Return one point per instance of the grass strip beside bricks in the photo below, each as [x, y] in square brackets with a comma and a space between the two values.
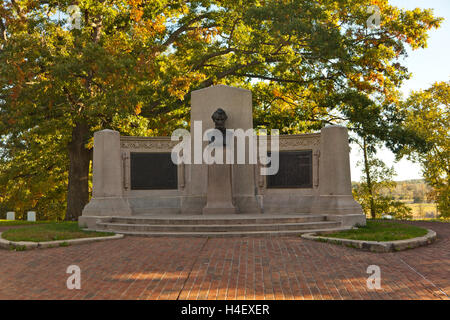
[377, 230]
[10, 223]
[51, 232]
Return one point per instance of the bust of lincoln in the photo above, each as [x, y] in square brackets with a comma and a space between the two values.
[219, 117]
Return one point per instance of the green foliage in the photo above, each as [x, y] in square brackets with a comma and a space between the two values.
[377, 179]
[5, 223]
[428, 113]
[397, 209]
[33, 175]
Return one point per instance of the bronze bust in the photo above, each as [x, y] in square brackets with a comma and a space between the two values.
[219, 117]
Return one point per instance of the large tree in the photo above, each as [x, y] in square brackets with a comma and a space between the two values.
[376, 181]
[307, 62]
[62, 84]
[428, 113]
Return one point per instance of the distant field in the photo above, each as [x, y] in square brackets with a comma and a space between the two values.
[423, 210]
[413, 193]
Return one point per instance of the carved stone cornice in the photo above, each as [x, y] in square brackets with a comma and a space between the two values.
[297, 142]
[148, 143]
[286, 142]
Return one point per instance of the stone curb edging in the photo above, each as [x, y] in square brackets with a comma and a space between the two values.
[26, 245]
[377, 246]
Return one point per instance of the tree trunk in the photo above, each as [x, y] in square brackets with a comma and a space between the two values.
[368, 180]
[79, 156]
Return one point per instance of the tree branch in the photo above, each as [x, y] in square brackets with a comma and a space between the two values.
[174, 36]
[3, 31]
[18, 9]
[279, 79]
[210, 56]
[232, 70]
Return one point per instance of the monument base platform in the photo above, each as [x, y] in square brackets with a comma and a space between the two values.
[217, 225]
[219, 210]
[108, 206]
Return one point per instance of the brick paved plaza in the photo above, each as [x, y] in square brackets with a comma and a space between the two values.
[227, 268]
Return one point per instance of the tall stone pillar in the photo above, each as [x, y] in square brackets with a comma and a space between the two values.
[237, 104]
[335, 186]
[107, 190]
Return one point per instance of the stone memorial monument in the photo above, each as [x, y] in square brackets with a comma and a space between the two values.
[135, 179]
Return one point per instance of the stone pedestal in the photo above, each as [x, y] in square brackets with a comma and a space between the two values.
[107, 192]
[219, 197]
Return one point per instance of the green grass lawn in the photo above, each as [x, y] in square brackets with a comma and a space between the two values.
[50, 232]
[7, 223]
[378, 230]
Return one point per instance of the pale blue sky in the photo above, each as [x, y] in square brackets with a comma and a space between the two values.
[427, 66]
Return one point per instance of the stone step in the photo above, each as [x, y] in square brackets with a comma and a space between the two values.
[119, 227]
[156, 210]
[227, 234]
[218, 220]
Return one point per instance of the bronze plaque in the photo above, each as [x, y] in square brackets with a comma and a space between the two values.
[150, 171]
[295, 170]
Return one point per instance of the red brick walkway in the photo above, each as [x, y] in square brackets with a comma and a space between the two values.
[236, 268]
